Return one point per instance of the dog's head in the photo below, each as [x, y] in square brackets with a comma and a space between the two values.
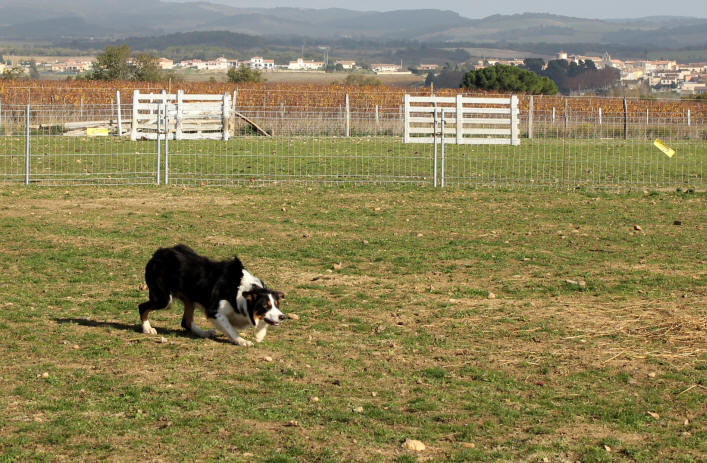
[264, 304]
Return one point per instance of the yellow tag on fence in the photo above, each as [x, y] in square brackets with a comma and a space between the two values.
[96, 132]
[661, 146]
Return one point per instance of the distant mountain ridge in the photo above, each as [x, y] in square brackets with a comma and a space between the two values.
[62, 20]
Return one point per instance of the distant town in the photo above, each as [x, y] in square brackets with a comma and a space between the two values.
[659, 75]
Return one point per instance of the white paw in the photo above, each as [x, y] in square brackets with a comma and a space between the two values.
[149, 330]
[244, 343]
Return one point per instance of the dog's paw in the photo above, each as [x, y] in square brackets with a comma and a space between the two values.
[149, 330]
[244, 342]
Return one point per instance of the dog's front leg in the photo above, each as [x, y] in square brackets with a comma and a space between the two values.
[260, 330]
[221, 322]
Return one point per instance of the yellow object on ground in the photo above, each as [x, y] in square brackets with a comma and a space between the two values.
[661, 146]
[95, 132]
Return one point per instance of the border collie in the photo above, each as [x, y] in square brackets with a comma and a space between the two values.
[231, 298]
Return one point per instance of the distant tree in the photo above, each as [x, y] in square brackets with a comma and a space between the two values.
[504, 78]
[15, 72]
[535, 65]
[593, 79]
[33, 71]
[244, 74]
[145, 67]
[334, 67]
[430, 78]
[112, 64]
[446, 78]
[362, 80]
[584, 75]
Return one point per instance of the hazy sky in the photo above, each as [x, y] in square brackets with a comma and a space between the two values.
[480, 9]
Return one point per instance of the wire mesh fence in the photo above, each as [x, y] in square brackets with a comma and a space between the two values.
[60, 144]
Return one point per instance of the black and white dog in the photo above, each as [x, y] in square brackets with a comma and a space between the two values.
[231, 298]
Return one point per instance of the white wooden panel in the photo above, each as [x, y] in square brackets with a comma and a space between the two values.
[506, 132]
[479, 100]
[486, 141]
[204, 97]
[433, 99]
[447, 130]
[183, 112]
[486, 111]
[475, 120]
[466, 121]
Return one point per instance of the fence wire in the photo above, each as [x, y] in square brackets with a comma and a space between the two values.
[70, 144]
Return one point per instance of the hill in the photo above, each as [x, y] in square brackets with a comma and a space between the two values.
[63, 20]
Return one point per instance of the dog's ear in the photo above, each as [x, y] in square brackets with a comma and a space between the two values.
[250, 296]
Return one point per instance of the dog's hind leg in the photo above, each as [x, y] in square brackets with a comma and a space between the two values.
[188, 322]
[156, 302]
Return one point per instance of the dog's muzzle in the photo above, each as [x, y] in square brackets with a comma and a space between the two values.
[281, 317]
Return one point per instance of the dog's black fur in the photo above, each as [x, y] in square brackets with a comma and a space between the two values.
[181, 273]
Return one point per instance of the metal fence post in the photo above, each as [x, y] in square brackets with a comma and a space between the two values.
[441, 173]
[406, 121]
[120, 118]
[459, 119]
[515, 128]
[180, 115]
[625, 119]
[348, 117]
[224, 116]
[166, 145]
[530, 118]
[133, 121]
[434, 150]
[159, 129]
[27, 145]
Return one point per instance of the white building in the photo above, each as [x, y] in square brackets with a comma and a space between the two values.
[659, 65]
[193, 64]
[218, 64]
[165, 63]
[385, 67]
[258, 62]
[347, 65]
[305, 65]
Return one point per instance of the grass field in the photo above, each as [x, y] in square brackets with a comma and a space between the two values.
[537, 163]
[492, 326]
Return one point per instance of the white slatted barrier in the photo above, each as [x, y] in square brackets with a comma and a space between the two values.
[468, 121]
[187, 117]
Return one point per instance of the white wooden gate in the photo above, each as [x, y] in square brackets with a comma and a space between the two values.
[468, 120]
[181, 116]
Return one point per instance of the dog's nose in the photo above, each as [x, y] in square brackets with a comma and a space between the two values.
[283, 316]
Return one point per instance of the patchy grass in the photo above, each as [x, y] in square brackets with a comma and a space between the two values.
[610, 368]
